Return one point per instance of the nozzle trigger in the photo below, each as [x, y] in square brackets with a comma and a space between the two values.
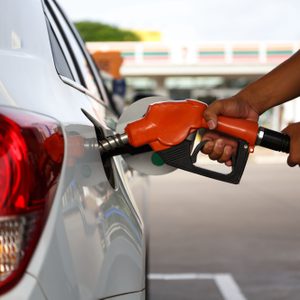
[179, 157]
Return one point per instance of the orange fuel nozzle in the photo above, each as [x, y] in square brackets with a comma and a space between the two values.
[167, 124]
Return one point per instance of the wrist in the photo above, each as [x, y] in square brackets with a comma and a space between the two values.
[254, 98]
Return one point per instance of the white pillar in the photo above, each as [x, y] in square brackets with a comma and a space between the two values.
[275, 118]
[161, 89]
[228, 53]
[262, 52]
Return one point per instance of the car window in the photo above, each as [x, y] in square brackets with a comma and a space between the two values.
[57, 38]
[86, 76]
[59, 58]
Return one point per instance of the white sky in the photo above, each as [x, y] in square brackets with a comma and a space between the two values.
[188, 20]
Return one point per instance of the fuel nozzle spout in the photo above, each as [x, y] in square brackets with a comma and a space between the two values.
[112, 143]
[107, 144]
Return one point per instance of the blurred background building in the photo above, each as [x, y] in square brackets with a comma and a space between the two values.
[204, 70]
[195, 50]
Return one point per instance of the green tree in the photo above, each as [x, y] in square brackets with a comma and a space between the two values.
[95, 31]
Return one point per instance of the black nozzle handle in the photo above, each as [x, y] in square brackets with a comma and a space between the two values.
[273, 140]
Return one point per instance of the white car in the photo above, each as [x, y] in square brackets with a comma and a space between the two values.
[69, 225]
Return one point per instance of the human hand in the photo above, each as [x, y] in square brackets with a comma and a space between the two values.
[219, 147]
[293, 130]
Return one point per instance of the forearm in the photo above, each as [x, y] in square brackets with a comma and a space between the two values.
[276, 87]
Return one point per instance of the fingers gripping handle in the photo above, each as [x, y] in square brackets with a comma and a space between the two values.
[273, 140]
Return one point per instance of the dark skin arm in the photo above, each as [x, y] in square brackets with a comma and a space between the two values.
[278, 86]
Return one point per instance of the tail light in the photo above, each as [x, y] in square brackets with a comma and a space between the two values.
[31, 153]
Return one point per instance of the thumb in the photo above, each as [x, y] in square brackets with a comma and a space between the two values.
[211, 114]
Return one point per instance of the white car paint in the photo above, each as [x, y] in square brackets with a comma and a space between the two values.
[92, 246]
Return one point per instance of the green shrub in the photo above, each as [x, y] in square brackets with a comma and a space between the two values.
[96, 32]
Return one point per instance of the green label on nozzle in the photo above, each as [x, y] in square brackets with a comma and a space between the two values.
[157, 160]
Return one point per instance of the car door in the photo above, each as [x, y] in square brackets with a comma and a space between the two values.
[101, 223]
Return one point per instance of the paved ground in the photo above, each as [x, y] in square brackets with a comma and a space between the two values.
[250, 233]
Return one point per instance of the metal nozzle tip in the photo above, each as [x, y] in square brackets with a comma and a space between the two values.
[111, 143]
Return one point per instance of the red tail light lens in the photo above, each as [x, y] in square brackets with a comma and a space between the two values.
[31, 153]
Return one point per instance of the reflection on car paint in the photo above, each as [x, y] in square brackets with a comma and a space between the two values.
[99, 215]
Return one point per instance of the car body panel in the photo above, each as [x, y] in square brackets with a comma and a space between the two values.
[27, 288]
[92, 246]
[135, 296]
